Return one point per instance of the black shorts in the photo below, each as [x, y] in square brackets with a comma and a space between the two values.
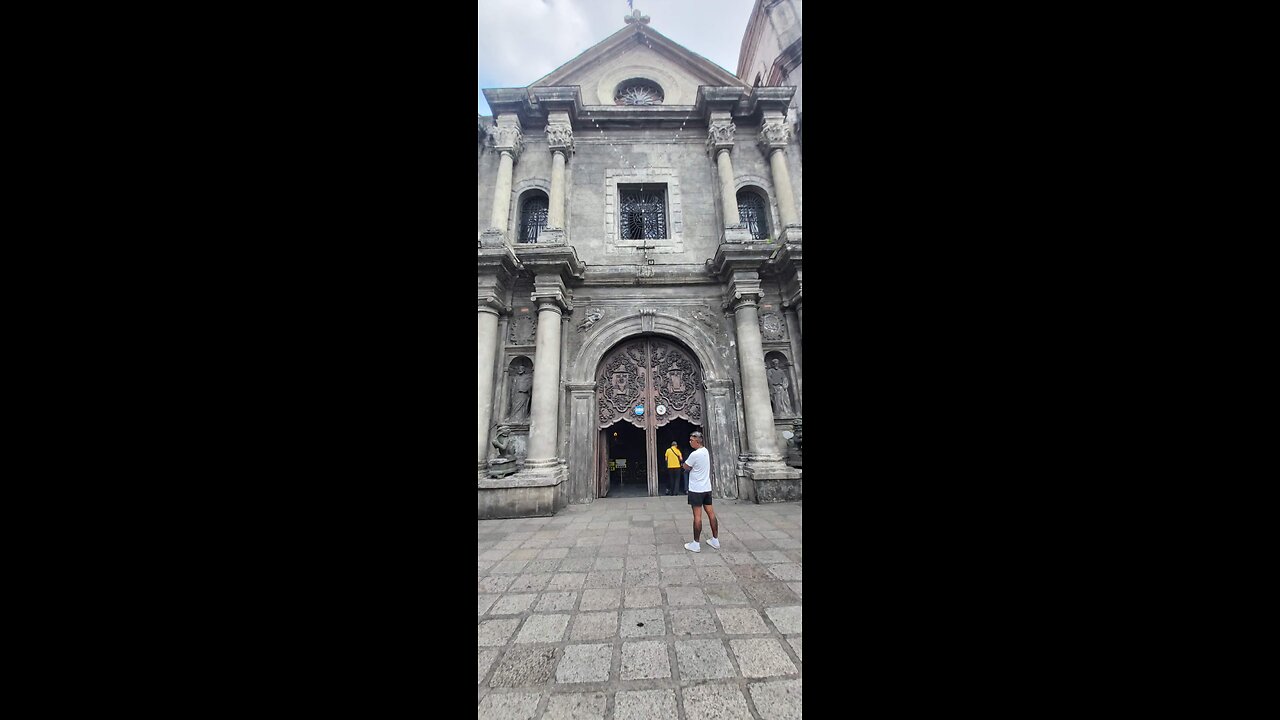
[697, 498]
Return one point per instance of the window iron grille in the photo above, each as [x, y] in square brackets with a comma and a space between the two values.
[643, 214]
[533, 219]
[752, 213]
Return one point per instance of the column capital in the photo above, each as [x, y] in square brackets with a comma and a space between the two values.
[720, 136]
[560, 138]
[507, 137]
[550, 293]
[489, 303]
[774, 135]
[744, 291]
[581, 388]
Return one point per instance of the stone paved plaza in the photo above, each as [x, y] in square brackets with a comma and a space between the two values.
[600, 613]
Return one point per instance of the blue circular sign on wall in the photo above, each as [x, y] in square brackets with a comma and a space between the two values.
[639, 409]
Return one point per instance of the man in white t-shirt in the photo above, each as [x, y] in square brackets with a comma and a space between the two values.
[699, 466]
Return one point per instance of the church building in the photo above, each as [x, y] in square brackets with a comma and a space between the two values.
[639, 253]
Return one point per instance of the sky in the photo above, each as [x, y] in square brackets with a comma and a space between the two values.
[519, 41]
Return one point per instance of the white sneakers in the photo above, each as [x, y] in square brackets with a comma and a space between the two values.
[715, 543]
[693, 547]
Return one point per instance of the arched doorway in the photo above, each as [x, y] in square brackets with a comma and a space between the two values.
[650, 385]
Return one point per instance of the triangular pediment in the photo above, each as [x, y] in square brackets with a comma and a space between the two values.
[638, 52]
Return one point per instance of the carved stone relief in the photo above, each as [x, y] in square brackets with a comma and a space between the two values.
[560, 136]
[593, 317]
[524, 328]
[706, 318]
[506, 137]
[772, 327]
[774, 134]
[720, 134]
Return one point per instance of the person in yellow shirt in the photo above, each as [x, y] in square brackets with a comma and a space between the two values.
[674, 471]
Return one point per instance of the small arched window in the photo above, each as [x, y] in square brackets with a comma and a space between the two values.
[533, 216]
[754, 213]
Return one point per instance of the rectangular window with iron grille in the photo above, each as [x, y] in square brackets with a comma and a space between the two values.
[643, 212]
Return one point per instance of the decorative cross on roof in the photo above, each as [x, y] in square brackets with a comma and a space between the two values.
[636, 17]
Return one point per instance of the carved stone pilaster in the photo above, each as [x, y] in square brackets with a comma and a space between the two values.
[560, 137]
[774, 135]
[720, 136]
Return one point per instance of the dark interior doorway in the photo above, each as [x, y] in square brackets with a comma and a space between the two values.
[677, 431]
[628, 469]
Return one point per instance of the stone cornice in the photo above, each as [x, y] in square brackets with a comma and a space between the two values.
[737, 257]
[776, 99]
[499, 261]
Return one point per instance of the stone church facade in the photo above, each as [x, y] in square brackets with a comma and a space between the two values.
[639, 261]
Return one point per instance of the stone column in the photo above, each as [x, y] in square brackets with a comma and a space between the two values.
[720, 142]
[549, 294]
[488, 311]
[560, 140]
[774, 135]
[762, 441]
[507, 141]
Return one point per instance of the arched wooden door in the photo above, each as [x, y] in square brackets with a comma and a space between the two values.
[656, 375]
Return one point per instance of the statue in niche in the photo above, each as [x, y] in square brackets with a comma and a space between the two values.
[779, 390]
[502, 442]
[518, 402]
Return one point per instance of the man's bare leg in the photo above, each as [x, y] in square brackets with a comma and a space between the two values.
[697, 522]
[715, 526]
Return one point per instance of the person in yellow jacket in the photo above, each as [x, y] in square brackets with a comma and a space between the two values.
[674, 471]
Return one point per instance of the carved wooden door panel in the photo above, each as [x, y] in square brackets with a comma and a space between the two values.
[647, 373]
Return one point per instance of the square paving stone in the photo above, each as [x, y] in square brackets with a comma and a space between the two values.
[678, 596]
[797, 588]
[484, 660]
[644, 705]
[639, 597]
[771, 593]
[762, 658]
[535, 544]
[639, 577]
[507, 545]
[692, 621]
[707, 559]
[716, 575]
[644, 660]
[673, 561]
[715, 702]
[508, 567]
[643, 622]
[576, 706]
[752, 572]
[787, 571]
[509, 706]
[585, 663]
[613, 551]
[523, 554]
[493, 555]
[761, 544]
[738, 558]
[553, 553]
[741, 621]
[702, 660]
[777, 699]
[496, 632]
[513, 604]
[576, 564]
[601, 599]
[786, 618]
[787, 544]
[604, 579]
[494, 583]
[530, 582]
[797, 644]
[725, 594]
[522, 667]
[543, 629]
[678, 576]
[645, 562]
[542, 566]
[642, 549]
[484, 601]
[566, 581]
[553, 601]
[609, 563]
[594, 626]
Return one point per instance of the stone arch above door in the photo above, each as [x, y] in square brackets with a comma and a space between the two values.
[604, 336]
